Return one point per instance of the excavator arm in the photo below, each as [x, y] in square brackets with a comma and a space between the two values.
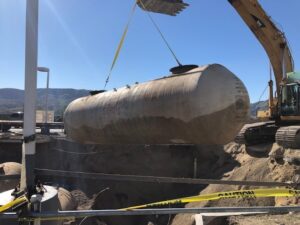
[276, 46]
[271, 38]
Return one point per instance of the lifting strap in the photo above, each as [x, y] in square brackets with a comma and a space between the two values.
[120, 44]
[124, 36]
[160, 32]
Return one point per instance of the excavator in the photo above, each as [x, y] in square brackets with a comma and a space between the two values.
[281, 121]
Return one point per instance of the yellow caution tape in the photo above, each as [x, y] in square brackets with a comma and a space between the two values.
[13, 203]
[244, 194]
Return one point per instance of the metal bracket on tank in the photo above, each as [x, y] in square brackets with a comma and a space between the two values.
[182, 68]
[97, 92]
[29, 138]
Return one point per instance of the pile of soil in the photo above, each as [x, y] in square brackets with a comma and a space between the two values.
[260, 163]
[288, 219]
[266, 163]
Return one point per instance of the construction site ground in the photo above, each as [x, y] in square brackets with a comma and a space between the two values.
[262, 163]
[268, 162]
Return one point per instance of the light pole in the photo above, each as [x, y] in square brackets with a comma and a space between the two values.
[46, 70]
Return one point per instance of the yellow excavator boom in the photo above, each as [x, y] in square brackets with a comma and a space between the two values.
[271, 38]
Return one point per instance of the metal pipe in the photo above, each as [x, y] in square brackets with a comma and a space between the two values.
[31, 52]
[271, 99]
[284, 75]
[9, 215]
[137, 178]
[114, 212]
[118, 177]
[10, 177]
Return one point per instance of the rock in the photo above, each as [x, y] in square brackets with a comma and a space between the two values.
[277, 152]
[9, 168]
[66, 200]
[282, 201]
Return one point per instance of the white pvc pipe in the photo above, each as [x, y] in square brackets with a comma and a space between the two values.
[31, 53]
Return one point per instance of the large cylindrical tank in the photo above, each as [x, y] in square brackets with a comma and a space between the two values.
[206, 105]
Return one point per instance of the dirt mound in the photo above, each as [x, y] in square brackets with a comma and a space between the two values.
[260, 163]
[275, 165]
[288, 219]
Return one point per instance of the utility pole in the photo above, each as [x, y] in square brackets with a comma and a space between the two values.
[31, 53]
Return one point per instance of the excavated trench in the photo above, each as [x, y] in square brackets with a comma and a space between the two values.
[230, 162]
[188, 161]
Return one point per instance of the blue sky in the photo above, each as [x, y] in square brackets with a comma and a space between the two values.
[78, 38]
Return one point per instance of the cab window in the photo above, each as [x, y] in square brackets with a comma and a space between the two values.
[289, 100]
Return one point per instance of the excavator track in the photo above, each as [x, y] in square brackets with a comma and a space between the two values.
[288, 137]
[257, 133]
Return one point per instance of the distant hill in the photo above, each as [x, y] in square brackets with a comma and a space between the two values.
[11, 100]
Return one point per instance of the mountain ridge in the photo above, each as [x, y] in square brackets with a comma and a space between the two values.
[11, 100]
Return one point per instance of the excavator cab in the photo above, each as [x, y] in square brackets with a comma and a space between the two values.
[290, 99]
